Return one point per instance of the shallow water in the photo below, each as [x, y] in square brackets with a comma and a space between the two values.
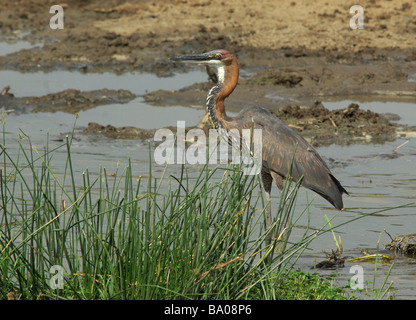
[376, 178]
[41, 83]
[135, 113]
[141, 115]
[10, 47]
[375, 175]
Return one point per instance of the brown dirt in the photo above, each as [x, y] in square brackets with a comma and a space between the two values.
[290, 52]
[141, 34]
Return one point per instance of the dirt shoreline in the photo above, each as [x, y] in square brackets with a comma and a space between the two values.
[289, 52]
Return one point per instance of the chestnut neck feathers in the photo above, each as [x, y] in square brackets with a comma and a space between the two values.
[227, 81]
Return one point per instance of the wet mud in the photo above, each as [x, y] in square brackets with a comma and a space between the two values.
[342, 126]
[128, 132]
[70, 101]
[288, 52]
[109, 131]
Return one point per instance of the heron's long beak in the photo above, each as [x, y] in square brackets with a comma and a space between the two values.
[195, 58]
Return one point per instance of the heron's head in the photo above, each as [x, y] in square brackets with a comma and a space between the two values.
[214, 58]
[221, 59]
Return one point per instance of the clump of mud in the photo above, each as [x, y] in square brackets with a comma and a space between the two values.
[110, 131]
[341, 126]
[127, 132]
[70, 101]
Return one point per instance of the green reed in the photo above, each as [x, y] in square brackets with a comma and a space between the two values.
[120, 237]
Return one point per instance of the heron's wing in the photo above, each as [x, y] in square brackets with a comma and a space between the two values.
[279, 145]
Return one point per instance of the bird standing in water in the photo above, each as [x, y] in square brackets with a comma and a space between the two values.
[279, 142]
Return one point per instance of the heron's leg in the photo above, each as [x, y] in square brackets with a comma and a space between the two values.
[267, 185]
[268, 214]
[278, 180]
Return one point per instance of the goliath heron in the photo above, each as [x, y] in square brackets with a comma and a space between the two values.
[279, 141]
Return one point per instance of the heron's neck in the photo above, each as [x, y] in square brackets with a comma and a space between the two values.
[227, 81]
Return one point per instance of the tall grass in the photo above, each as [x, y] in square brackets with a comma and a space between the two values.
[119, 237]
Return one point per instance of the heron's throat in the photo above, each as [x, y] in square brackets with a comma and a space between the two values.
[216, 96]
[212, 105]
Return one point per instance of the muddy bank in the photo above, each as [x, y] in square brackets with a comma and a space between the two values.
[314, 81]
[299, 49]
[70, 101]
[289, 53]
[109, 35]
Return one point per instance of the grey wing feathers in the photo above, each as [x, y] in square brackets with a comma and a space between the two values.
[279, 143]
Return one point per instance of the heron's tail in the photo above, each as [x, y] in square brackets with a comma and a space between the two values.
[333, 193]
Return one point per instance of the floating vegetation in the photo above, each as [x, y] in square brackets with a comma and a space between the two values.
[334, 260]
[369, 256]
[403, 244]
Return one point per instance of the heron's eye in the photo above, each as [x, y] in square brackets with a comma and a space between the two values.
[218, 56]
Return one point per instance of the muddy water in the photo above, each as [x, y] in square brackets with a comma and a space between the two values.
[375, 175]
[10, 47]
[93, 151]
[41, 83]
[376, 178]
